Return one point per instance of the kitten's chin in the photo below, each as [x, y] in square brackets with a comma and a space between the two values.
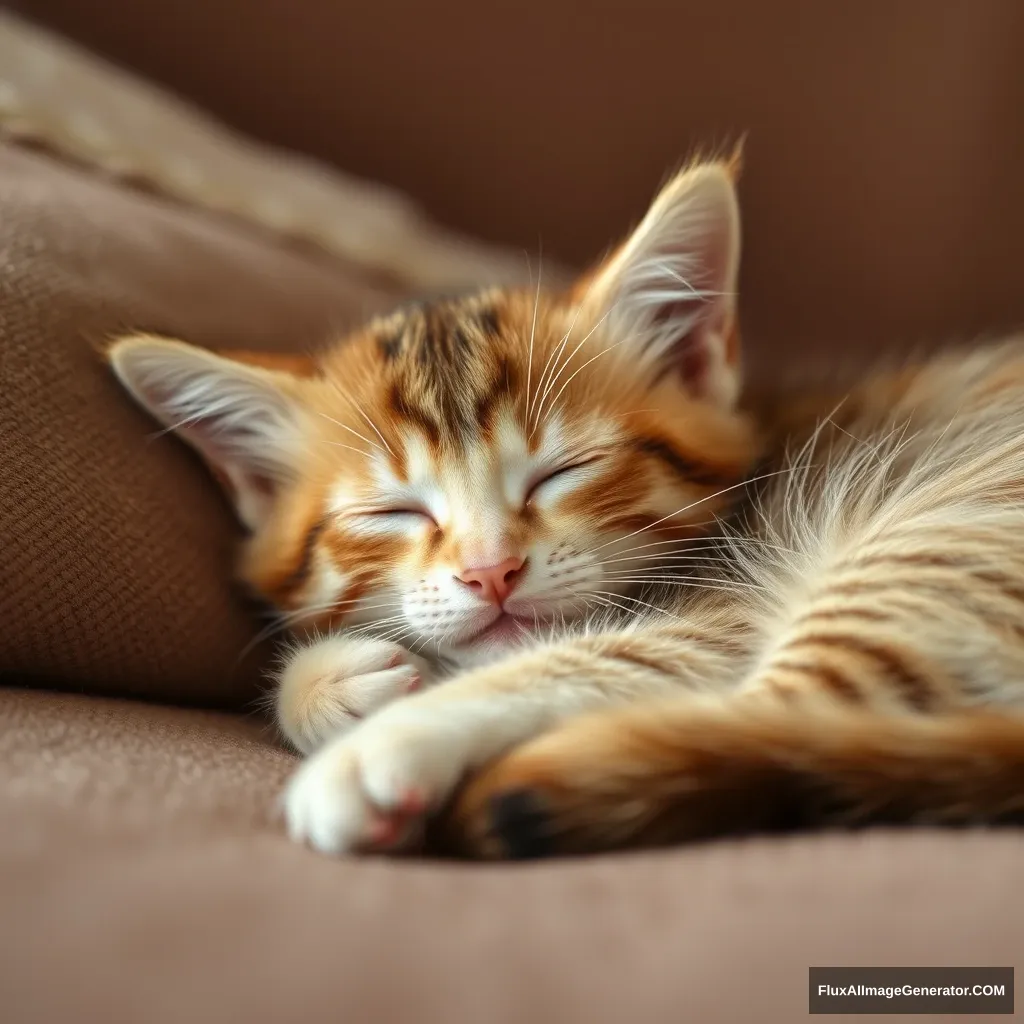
[504, 630]
[494, 641]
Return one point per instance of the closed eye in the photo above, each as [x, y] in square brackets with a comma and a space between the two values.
[398, 513]
[555, 474]
[410, 511]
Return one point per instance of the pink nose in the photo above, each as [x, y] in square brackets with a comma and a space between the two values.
[494, 582]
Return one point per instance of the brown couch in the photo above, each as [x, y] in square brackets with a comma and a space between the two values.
[144, 875]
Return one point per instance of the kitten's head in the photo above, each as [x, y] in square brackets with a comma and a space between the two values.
[462, 471]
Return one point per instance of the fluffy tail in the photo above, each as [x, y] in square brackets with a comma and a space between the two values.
[654, 776]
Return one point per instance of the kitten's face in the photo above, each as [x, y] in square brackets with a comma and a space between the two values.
[453, 488]
[462, 473]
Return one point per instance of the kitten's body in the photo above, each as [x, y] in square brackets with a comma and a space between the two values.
[867, 668]
[510, 471]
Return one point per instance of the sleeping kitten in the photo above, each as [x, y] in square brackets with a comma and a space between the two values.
[465, 491]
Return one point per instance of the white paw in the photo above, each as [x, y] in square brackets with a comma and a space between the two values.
[326, 686]
[371, 789]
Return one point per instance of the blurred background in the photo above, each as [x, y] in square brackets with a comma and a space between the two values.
[884, 192]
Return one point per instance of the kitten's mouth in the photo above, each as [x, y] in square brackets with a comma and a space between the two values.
[504, 628]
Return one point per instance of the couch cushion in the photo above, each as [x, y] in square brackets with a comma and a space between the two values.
[61, 96]
[117, 551]
[143, 877]
[881, 193]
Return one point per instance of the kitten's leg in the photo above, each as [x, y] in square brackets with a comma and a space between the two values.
[363, 789]
[781, 749]
[325, 686]
[863, 703]
[704, 768]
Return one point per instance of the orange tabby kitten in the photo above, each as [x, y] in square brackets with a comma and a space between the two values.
[507, 494]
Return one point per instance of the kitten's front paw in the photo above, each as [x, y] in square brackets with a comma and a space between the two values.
[371, 789]
[325, 687]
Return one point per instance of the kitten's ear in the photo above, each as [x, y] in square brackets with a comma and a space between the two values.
[240, 414]
[669, 289]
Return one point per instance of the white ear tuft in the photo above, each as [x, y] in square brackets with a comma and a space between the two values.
[242, 419]
[670, 290]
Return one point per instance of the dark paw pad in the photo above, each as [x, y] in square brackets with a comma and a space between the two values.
[521, 821]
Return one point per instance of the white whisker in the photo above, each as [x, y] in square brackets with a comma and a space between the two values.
[554, 401]
[533, 333]
[609, 595]
[344, 426]
[694, 504]
[556, 351]
[561, 370]
[685, 581]
[359, 409]
[351, 448]
[668, 560]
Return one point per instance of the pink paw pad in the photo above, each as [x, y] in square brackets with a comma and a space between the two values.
[414, 801]
[383, 831]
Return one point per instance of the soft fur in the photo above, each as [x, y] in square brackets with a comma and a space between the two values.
[521, 495]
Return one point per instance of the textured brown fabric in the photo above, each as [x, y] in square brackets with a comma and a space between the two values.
[142, 879]
[882, 192]
[116, 551]
[64, 97]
